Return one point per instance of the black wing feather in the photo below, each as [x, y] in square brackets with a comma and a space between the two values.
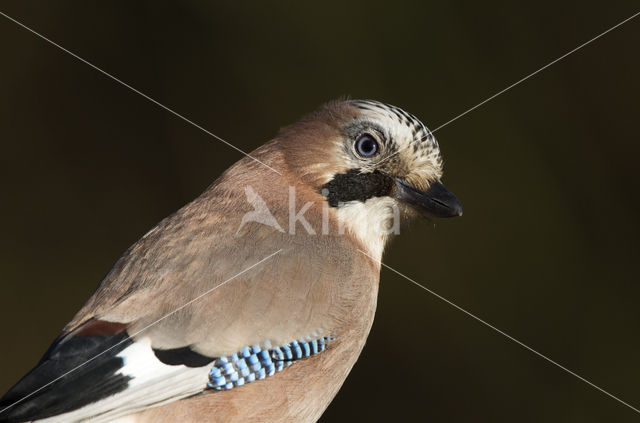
[94, 381]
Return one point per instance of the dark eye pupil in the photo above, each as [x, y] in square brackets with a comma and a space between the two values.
[366, 145]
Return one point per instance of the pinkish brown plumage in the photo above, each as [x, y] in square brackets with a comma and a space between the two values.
[221, 274]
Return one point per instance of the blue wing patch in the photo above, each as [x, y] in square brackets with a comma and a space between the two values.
[254, 363]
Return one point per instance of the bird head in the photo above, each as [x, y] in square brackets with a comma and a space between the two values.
[355, 151]
[370, 162]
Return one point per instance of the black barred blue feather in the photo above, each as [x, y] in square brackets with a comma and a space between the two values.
[254, 363]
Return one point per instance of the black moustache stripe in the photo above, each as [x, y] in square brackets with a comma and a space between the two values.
[356, 186]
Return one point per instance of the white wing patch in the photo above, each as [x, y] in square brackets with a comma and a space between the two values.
[153, 383]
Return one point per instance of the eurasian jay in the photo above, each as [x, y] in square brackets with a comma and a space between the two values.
[254, 301]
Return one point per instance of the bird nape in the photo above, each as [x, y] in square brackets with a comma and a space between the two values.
[252, 302]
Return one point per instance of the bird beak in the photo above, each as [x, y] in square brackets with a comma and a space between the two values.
[437, 201]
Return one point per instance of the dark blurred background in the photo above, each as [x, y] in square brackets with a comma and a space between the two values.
[547, 249]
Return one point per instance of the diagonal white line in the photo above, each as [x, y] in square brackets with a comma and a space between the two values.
[537, 71]
[489, 325]
[141, 330]
[137, 91]
[381, 263]
[514, 84]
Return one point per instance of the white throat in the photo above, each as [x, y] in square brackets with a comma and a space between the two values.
[372, 222]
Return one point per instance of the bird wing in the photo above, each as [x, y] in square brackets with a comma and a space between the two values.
[149, 341]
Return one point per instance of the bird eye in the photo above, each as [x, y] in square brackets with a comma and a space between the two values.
[366, 145]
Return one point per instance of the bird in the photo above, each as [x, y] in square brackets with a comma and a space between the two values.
[252, 302]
